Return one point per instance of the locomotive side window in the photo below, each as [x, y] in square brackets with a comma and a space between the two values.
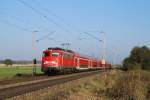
[55, 54]
[69, 56]
[46, 54]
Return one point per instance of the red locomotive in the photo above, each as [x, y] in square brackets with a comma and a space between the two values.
[58, 59]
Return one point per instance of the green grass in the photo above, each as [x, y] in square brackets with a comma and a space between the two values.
[10, 72]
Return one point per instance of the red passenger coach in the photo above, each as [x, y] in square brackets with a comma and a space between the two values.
[58, 59]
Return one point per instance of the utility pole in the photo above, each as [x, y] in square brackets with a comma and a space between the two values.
[103, 40]
[100, 40]
[34, 43]
[34, 52]
[104, 48]
[104, 57]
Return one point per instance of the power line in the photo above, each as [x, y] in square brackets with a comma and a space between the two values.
[58, 17]
[12, 17]
[43, 15]
[42, 12]
[103, 41]
[45, 36]
[14, 25]
[94, 37]
[18, 20]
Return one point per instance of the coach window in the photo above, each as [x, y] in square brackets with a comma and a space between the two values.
[55, 54]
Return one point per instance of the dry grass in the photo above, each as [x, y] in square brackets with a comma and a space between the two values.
[111, 85]
[129, 86]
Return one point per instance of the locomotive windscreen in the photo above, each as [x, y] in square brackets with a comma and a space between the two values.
[55, 54]
[46, 54]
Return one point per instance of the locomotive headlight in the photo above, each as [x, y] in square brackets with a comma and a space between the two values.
[54, 62]
[51, 63]
[46, 62]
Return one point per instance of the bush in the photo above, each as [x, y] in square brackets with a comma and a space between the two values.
[148, 91]
[128, 63]
[128, 87]
[146, 63]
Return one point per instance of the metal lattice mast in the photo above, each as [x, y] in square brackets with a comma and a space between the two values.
[104, 45]
[34, 52]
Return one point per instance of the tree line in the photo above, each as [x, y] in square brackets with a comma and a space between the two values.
[139, 58]
[10, 62]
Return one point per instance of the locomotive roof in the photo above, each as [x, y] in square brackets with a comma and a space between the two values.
[70, 51]
[57, 48]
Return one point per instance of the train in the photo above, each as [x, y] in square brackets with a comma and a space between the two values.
[59, 60]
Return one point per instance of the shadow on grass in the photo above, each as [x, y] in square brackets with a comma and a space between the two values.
[28, 75]
[39, 74]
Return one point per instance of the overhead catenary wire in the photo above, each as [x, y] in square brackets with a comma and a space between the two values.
[46, 17]
[15, 25]
[56, 16]
[42, 11]
[94, 37]
[100, 40]
[45, 36]
[42, 15]
[18, 19]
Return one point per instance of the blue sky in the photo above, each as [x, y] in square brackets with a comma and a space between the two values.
[125, 22]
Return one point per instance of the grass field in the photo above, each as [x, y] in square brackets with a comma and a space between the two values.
[10, 72]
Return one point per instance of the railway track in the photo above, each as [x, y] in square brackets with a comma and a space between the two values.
[15, 90]
[21, 79]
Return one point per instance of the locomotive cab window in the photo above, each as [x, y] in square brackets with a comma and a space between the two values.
[55, 54]
[45, 54]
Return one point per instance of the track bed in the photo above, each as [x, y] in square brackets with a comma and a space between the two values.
[32, 86]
